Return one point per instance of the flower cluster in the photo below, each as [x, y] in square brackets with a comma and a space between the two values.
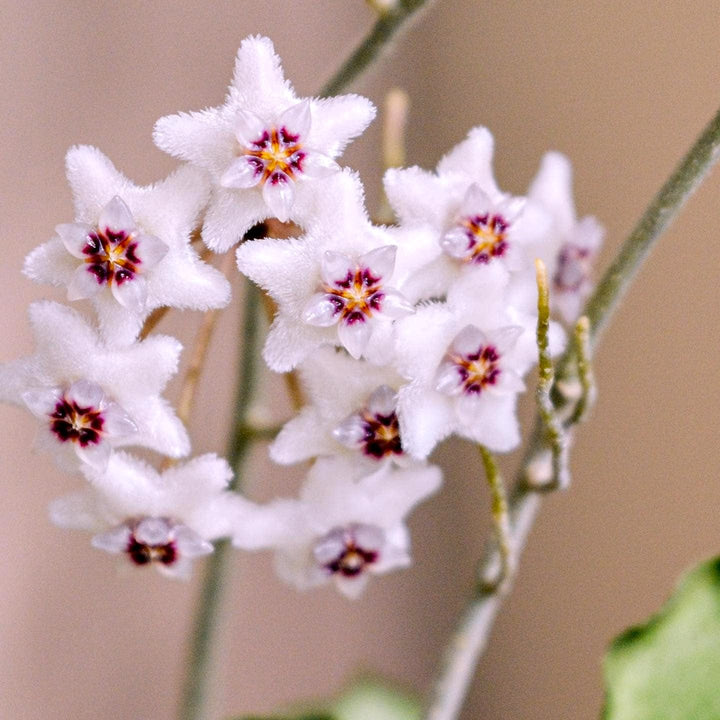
[401, 335]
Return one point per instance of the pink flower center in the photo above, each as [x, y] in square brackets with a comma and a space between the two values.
[486, 238]
[276, 156]
[573, 268]
[70, 422]
[356, 297]
[111, 256]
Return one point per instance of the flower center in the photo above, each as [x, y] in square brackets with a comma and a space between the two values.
[486, 238]
[573, 268]
[277, 155]
[357, 296]
[348, 551]
[111, 255]
[352, 560]
[70, 422]
[477, 370]
[382, 435]
[142, 553]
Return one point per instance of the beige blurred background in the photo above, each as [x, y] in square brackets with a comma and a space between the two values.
[622, 88]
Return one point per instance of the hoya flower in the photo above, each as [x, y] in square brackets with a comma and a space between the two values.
[351, 410]
[575, 242]
[464, 361]
[163, 519]
[129, 248]
[264, 147]
[345, 526]
[475, 225]
[336, 285]
[91, 398]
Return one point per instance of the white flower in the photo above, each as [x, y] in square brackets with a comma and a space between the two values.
[475, 225]
[335, 285]
[465, 360]
[129, 247]
[263, 145]
[575, 242]
[351, 410]
[165, 519]
[345, 525]
[91, 397]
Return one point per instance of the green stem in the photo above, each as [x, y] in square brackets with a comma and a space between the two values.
[501, 521]
[385, 28]
[554, 434]
[475, 624]
[197, 679]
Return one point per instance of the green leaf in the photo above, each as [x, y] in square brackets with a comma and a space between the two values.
[372, 700]
[669, 669]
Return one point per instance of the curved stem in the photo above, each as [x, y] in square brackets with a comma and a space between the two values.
[384, 30]
[198, 675]
[473, 630]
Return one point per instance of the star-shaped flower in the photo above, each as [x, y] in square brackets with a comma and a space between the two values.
[345, 526]
[351, 411]
[465, 360]
[90, 397]
[129, 248]
[575, 243]
[163, 519]
[338, 284]
[264, 147]
[475, 225]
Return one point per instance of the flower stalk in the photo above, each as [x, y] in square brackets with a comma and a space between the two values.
[199, 664]
[501, 520]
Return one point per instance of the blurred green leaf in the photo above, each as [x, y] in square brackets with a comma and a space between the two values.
[373, 700]
[365, 699]
[311, 716]
[669, 668]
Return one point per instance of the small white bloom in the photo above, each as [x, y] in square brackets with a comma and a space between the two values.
[129, 248]
[263, 145]
[91, 397]
[465, 360]
[346, 525]
[475, 225]
[164, 519]
[351, 409]
[335, 285]
[575, 243]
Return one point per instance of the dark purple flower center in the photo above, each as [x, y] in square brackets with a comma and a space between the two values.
[357, 296]
[143, 554]
[70, 422]
[382, 435]
[478, 370]
[486, 238]
[352, 560]
[276, 155]
[112, 256]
